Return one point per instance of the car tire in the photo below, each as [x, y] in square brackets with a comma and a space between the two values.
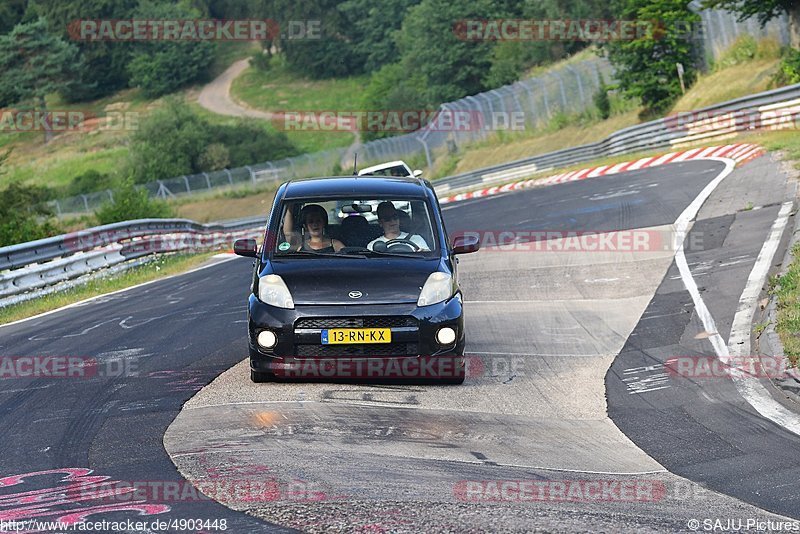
[259, 377]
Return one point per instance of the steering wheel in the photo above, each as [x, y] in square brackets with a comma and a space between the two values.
[403, 242]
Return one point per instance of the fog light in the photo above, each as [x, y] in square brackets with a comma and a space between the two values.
[446, 336]
[267, 339]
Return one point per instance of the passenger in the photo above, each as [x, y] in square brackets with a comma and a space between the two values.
[389, 219]
[314, 220]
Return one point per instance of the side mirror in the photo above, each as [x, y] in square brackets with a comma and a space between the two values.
[464, 244]
[417, 173]
[245, 247]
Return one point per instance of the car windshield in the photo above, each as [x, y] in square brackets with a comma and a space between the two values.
[397, 170]
[362, 227]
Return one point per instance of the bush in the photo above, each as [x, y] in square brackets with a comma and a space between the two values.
[168, 143]
[174, 141]
[215, 157]
[789, 69]
[248, 142]
[89, 182]
[23, 214]
[130, 203]
[602, 101]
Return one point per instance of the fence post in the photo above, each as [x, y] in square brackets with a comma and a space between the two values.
[208, 180]
[186, 181]
[252, 174]
[85, 203]
[427, 153]
[230, 176]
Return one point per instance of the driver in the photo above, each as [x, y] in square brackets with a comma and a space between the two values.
[389, 219]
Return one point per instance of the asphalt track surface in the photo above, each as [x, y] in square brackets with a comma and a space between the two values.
[397, 458]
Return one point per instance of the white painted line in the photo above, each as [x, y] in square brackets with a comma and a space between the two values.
[739, 343]
[749, 388]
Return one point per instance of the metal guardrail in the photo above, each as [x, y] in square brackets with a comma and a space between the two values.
[30, 266]
[27, 267]
[773, 109]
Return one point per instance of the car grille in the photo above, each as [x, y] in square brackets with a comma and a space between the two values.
[343, 351]
[397, 321]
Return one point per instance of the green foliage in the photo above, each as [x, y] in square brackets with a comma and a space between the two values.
[249, 142]
[168, 143]
[744, 50]
[789, 69]
[11, 12]
[23, 214]
[88, 182]
[215, 157]
[451, 66]
[646, 65]
[394, 87]
[35, 63]
[601, 99]
[130, 203]
[161, 67]
[175, 141]
[373, 26]
[764, 10]
[104, 62]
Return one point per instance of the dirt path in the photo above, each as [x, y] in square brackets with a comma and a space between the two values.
[216, 97]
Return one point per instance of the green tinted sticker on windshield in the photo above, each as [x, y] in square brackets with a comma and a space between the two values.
[284, 246]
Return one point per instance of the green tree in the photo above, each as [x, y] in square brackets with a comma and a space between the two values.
[393, 87]
[104, 62]
[163, 67]
[11, 13]
[24, 216]
[34, 64]
[764, 11]
[168, 143]
[646, 65]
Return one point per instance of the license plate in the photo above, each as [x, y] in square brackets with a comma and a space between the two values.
[341, 336]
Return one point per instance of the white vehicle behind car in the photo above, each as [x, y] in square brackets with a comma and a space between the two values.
[391, 168]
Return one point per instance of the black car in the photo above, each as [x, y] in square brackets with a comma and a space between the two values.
[339, 295]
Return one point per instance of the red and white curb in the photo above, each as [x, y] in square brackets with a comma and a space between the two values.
[740, 153]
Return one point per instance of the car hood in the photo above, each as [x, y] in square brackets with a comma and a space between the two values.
[323, 281]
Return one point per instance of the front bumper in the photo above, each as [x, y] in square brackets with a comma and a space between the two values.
[414, 339]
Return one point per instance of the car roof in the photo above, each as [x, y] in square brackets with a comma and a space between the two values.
[359, 186]
[383, 166]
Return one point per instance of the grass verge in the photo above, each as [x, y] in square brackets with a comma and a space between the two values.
[787, 290]
[160, 267]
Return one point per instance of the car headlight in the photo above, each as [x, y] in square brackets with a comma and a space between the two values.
[273, 291]
[438, 288]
